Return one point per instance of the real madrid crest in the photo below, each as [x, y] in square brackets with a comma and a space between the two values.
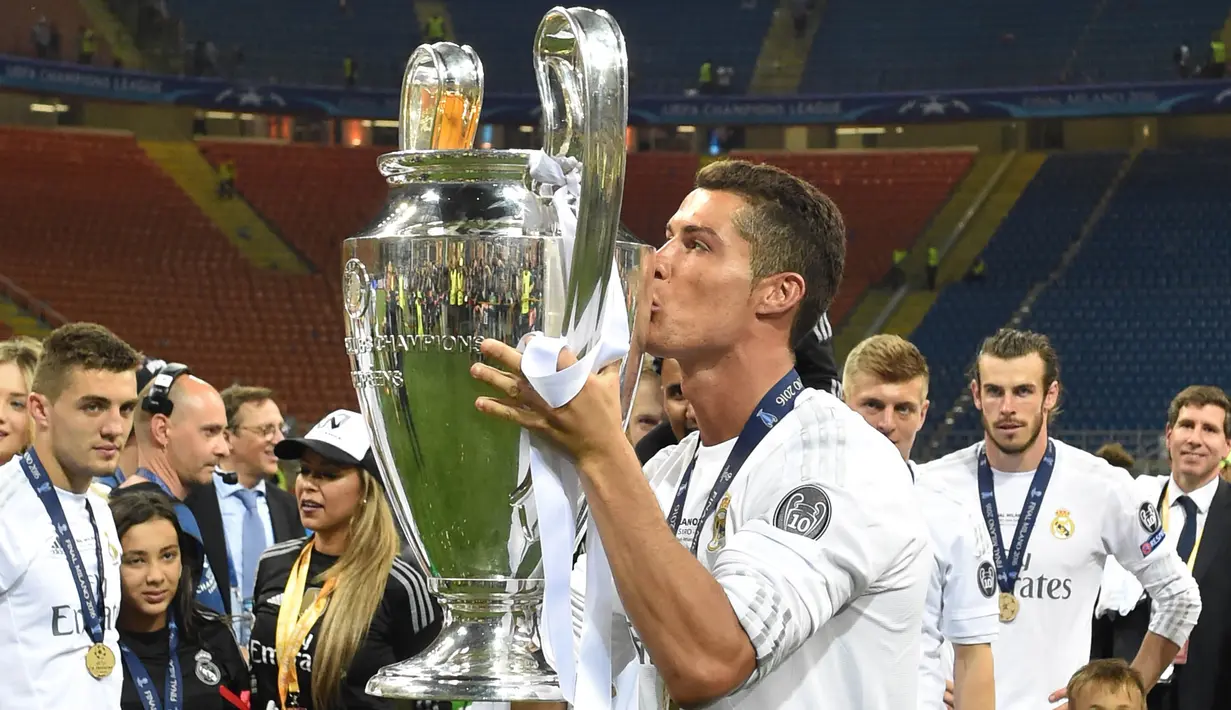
[719, 537]
[1062, 527]
[207, 672]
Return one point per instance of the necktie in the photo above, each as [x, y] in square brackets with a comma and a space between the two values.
[1188, 535]
[254, 538]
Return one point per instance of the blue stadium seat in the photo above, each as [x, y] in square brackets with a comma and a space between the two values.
[1025, 249]
[919, 45]
[1143, 310]
[305, 42]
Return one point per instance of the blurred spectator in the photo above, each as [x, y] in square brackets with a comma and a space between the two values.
[1116, 455]
[40, 37]
[87, 45]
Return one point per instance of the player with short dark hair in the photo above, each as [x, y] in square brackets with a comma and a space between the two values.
[793, 563]
[59, 551]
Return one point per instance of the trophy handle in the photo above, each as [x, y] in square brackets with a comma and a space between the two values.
[581, 66]
[442, 94]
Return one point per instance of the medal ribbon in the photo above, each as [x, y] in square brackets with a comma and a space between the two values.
[776, 404]
[91, 604]
[1007, 568]
[294, 627]
[141, 677]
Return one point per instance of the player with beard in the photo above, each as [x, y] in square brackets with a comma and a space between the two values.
[59, 550]
[776, 557]
[1075, 511]
[885, 380]
[180, 441]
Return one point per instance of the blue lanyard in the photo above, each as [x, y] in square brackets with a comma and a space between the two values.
[1008, 568]
[91, 605]
[776, 404]
[145, 685]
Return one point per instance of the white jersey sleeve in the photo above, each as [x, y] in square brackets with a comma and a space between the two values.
[825, 520]
[970, 613]
[1133, 534]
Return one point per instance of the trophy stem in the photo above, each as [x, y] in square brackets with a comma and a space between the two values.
[488, 649]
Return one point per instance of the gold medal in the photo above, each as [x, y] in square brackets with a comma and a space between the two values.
[99, 661]
[1008, 607]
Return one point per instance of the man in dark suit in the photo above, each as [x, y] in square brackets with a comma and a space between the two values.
[1195, 506]
[240, 512]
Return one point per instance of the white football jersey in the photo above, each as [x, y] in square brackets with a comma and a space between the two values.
[1090, 510]
[823, 553]
[961, 603]
[42, 638]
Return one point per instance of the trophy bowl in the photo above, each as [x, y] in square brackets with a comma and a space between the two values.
[468, 247]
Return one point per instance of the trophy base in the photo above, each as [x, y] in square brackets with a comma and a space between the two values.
[487, 650]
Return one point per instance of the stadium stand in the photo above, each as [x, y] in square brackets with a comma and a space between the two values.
[1134, 41]
[18, 18]
[1043, 223]
[125, 247]
[381, 34]
[863, 46]
[667, 42]
[311, 39]
[886, 198]
[1141, 312]
[316, 195]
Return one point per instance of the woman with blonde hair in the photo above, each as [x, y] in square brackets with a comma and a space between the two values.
[18, 357]
[333, 609]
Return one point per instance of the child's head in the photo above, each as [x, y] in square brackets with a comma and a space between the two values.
[1109, 684]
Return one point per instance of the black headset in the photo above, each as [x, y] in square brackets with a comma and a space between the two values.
[158, 401]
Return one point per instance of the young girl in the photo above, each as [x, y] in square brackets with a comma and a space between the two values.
[18, 356]
[171, 647]
[333, 609]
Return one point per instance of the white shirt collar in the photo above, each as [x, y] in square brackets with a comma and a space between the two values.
[1203, 496]
[230, 489]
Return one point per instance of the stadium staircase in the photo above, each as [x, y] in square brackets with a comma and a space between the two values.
[107, 26]
[234, 217]
[15, 320]
[784, 56]
[959, 257]
[1141, 311]
[948, 222]
[1044, 227]
[126, 247]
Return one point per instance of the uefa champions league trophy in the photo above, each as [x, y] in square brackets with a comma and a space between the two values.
[469, 247]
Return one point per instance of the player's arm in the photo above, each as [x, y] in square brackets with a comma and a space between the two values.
[786, 577]
[970, 615]
[1134, 535]
[974, 679]
[681, 612]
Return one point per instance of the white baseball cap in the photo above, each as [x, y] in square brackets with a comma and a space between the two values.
[341, 438]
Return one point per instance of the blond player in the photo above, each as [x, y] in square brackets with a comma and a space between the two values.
[886, 381]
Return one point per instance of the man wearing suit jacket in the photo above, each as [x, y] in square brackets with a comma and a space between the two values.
[240, 512]
[1195, 507]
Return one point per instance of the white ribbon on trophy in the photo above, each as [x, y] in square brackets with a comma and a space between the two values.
[586, 673]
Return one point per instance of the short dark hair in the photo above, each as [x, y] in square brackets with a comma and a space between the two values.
[1010, 344]
[1201, 396]
[1110, 673]
[791, 227]
[1115, 454]
[85, 346]
[237, 396]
